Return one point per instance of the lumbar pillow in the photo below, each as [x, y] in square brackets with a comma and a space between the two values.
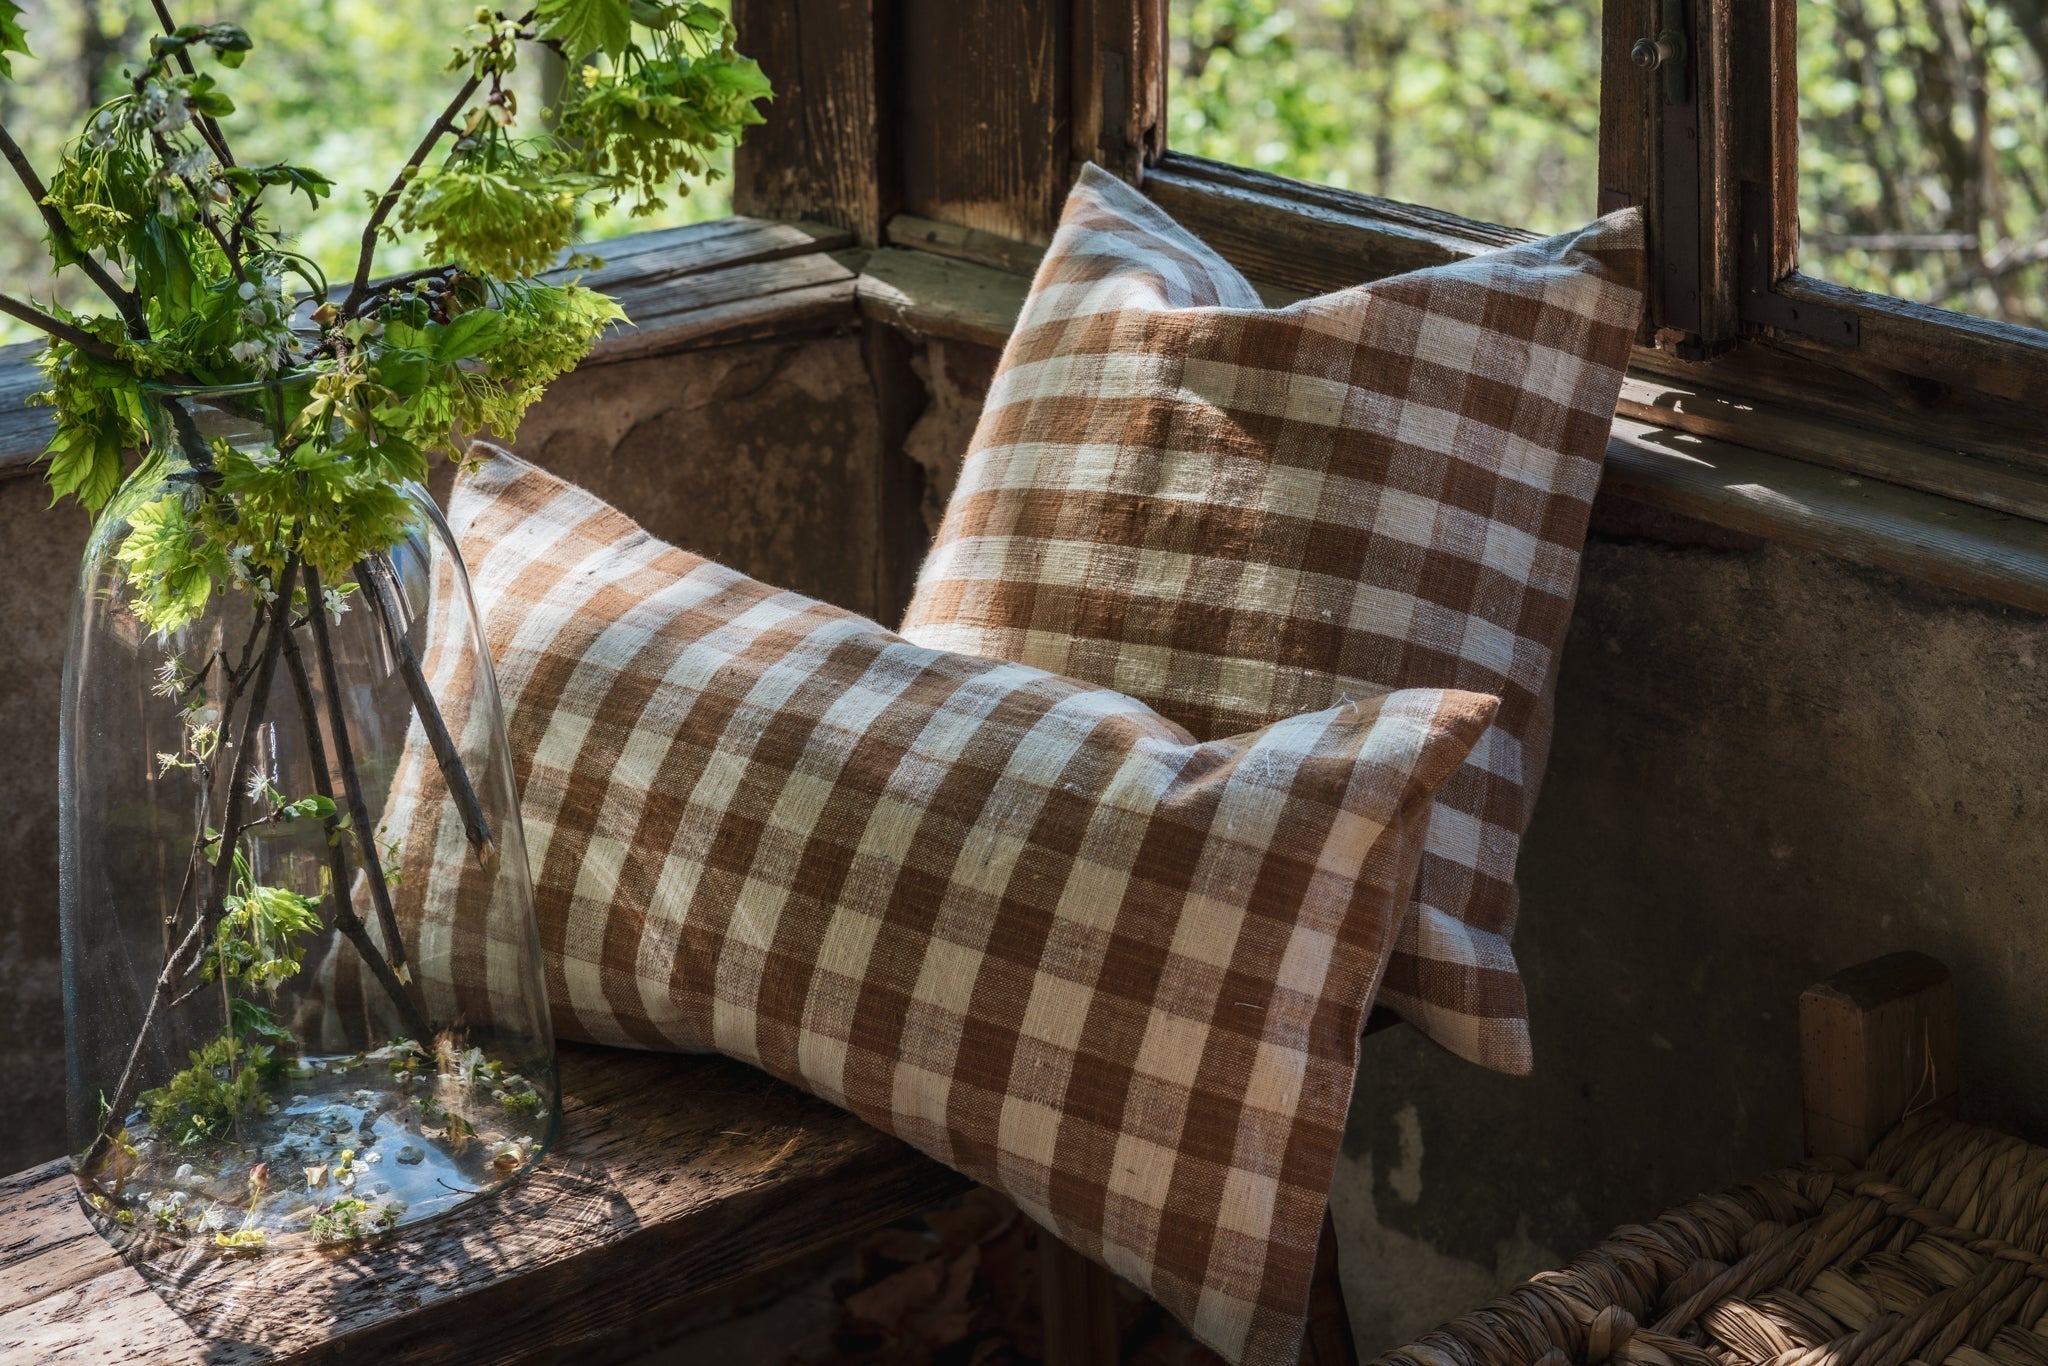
[1021, 921]
[1238, 514]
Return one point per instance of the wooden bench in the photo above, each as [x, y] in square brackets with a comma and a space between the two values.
[673, 1178]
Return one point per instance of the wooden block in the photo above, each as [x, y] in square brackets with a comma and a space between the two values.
[1078, 1301]
[1328, 1341]
[1877, 1042]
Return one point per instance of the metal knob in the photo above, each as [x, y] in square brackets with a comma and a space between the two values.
[1651, 53]
[1666, 52]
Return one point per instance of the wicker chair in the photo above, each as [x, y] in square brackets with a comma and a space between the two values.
[1924, 1247]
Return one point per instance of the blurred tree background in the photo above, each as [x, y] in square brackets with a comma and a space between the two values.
[343, 86]
[1923, 123]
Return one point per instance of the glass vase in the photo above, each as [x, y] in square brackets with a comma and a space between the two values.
[301, 970]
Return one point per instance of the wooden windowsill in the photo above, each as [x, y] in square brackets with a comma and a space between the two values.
[1769, 469]
[709, 284]
[673, 1177]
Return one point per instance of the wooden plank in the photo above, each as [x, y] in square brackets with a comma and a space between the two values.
[1311, 238]
[825, 151]
[1876, 1043]
[1717, 28]
[1803, 435]
[674, 1175]
[1628, 109]
[795, 312]
[666, 301]
[1118, 117]
[937, 296]
[981, 102]
[965, 244]
[1950, 349]
[647, 259]
[1954, 545]
[1833, 383]
[24, 431]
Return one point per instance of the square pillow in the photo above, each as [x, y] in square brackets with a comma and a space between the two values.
[1237, 514]
[1020, 921]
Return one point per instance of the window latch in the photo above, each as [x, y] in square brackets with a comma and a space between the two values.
[1666, 52]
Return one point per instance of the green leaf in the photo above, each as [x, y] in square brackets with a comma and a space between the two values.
[704, 19]
[586, 26]
[85, 462]
[13, 38]
[230, 43]
[247, 1017]
[742, 75]
[471, 334]
[319, 808]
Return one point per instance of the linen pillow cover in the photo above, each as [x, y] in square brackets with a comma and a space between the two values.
[1236, 514]
[1020, 921]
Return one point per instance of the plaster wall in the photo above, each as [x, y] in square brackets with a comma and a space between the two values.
[1767, 765]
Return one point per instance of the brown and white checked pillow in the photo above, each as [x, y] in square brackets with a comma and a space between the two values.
[1020, 921]
[1237, 513]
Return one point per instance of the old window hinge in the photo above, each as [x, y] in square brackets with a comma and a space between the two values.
[1761, 304]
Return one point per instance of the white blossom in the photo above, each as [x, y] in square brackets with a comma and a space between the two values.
[191, 165]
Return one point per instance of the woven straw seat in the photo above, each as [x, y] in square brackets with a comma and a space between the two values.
[1930, 1252]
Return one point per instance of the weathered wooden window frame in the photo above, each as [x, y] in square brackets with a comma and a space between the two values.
[1748, 347]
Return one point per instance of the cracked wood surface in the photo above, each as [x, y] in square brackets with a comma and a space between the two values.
[672, 1176]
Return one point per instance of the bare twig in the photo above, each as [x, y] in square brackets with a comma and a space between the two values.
[351, 780]
[60, 231]
[131, 1074]
[345, 918]
[208, 129]
[443, 123]
[474, 826]
[193, 945]
[57, 327]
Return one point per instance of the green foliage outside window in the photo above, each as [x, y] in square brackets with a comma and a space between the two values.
[1924, 126]
[1487, 108]
[345, 85]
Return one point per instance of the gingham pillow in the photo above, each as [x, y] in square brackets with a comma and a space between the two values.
[1237, 513]
[1022, 922]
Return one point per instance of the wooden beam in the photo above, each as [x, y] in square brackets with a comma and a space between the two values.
[673, 1176]
[1954, 545]
[1876, 1043]
[964, 244]
[1784, 428]
[826, 151]
[937, 296]
[982, 108]
[1119, 85]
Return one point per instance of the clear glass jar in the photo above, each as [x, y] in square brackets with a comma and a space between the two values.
[332, 1022]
